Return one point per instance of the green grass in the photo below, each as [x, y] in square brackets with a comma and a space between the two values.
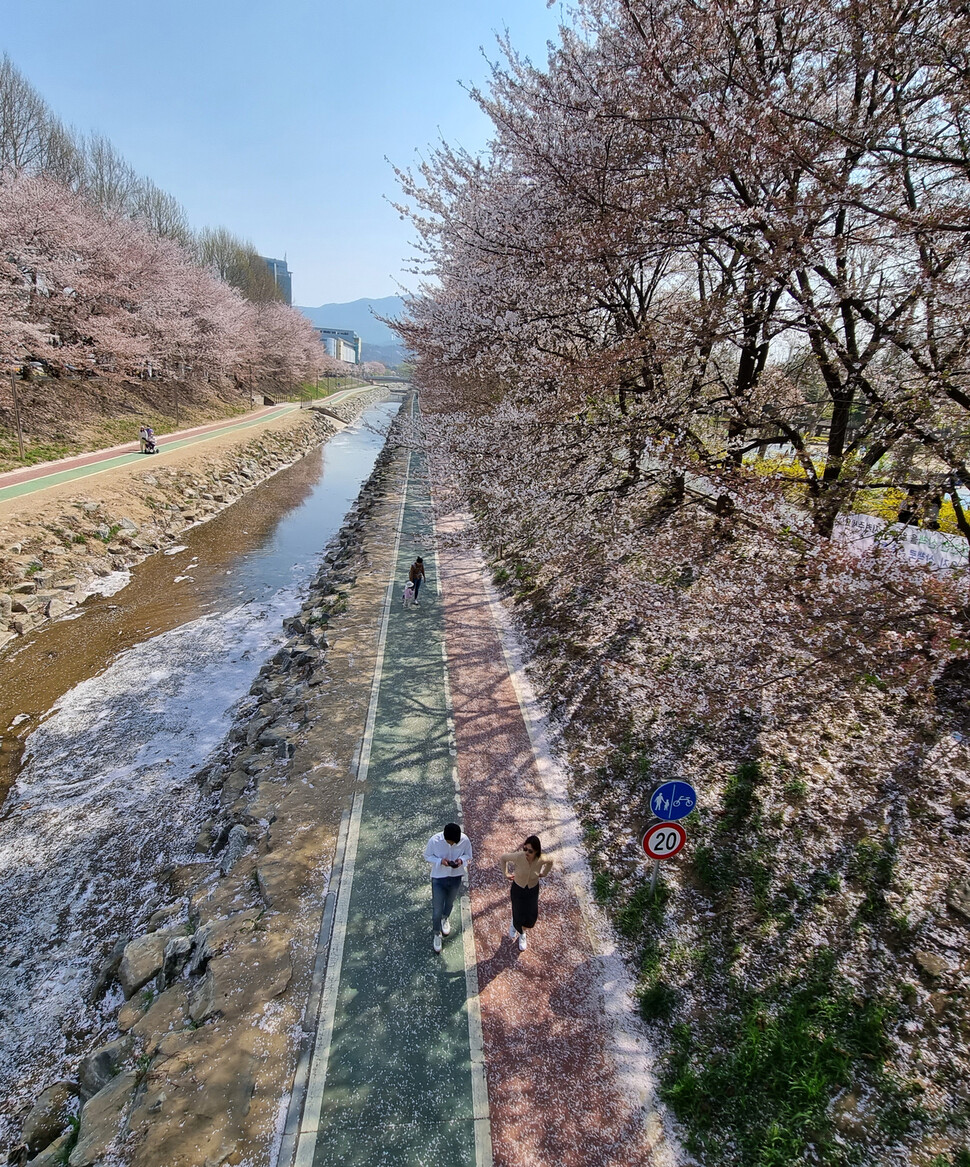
[757, 1090]
[796, 788]
[34, 452]
[64, 1154]
[872, 865]
[740, 802]
[960, 1159]
[604, 887]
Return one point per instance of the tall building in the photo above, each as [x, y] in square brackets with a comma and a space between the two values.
[342, 343]
[281, 274]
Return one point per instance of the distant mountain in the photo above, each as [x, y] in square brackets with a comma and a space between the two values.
[380, 344]
[359, 316]
[388, 354]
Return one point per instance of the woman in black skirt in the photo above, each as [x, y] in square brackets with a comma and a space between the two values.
[524, 869]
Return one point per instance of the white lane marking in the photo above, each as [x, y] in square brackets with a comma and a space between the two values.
[328, 1008]
[287, 1145]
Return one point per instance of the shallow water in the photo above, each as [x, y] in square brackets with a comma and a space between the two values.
[106, 718]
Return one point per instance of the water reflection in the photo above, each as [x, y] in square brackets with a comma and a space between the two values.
[263, 543]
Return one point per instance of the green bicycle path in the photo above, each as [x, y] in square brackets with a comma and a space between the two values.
[398, 1087]
[56, 477]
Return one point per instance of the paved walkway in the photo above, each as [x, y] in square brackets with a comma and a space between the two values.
[568, 1080]
[30, 479]
[406, 1038]
[396, 1074]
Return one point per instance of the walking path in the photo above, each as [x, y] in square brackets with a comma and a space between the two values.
[396, 1073]
[30, 479]
[568, 1080]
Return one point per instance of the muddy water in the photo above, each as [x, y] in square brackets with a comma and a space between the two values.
[105, 717]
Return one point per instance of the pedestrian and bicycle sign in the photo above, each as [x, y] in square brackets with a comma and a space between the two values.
[663, 840]
[670, 801]
[673, 800]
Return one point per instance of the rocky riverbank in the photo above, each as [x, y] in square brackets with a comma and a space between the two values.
[210, 986]
[73, 541]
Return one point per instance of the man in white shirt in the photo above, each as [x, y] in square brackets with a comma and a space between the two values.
[449, 853]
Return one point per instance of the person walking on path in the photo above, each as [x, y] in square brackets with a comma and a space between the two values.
[524, 869]
[416, 575]
[449, 853]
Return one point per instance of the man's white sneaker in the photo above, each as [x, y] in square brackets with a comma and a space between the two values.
[523, 943]
[437, 941]
[512, 932]
[445, 928]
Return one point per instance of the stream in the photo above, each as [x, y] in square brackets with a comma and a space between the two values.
[104, 717]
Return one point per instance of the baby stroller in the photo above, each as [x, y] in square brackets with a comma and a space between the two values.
[151, 446]
[408, 594]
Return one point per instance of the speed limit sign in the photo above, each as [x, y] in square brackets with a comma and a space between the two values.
[663, 840]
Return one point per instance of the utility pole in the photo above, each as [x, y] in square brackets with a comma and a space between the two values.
[181, 378]
[16, 411]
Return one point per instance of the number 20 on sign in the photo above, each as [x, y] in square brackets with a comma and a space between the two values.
[664, 840]
[660, 842]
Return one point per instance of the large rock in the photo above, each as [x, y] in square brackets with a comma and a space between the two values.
[49, 1116]
[194, 1111]
[236, 845]
[103, 1064]
[52, 1156]
[169, 1011]
[109, 970]
[32, 605]
[931, 963]
[958, 898]
[177, 952]
[101, 1120]
[57, 608]
[255, 971]
[142, 960]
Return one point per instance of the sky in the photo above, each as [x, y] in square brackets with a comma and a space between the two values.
[277, 118]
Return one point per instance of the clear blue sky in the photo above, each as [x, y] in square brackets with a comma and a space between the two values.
[274, 118]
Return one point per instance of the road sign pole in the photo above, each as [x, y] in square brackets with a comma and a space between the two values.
[16, 410]
[653, 877]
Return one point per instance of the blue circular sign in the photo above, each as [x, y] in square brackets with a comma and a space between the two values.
[673, 800]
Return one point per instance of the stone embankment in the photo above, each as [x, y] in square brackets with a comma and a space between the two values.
[51, 562]
[214, 981]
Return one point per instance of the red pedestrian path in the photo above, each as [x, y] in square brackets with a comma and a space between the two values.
[557, 1086]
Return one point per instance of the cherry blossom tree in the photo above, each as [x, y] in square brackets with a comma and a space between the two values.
[694, 236]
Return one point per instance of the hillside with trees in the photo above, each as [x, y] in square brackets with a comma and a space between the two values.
[692, 349]
[111, 309]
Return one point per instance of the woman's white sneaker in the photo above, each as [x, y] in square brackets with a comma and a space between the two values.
[445, 928]
[437, 941]
[512, 932]
[523, 943]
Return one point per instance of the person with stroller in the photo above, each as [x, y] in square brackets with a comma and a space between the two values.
[150, 445]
